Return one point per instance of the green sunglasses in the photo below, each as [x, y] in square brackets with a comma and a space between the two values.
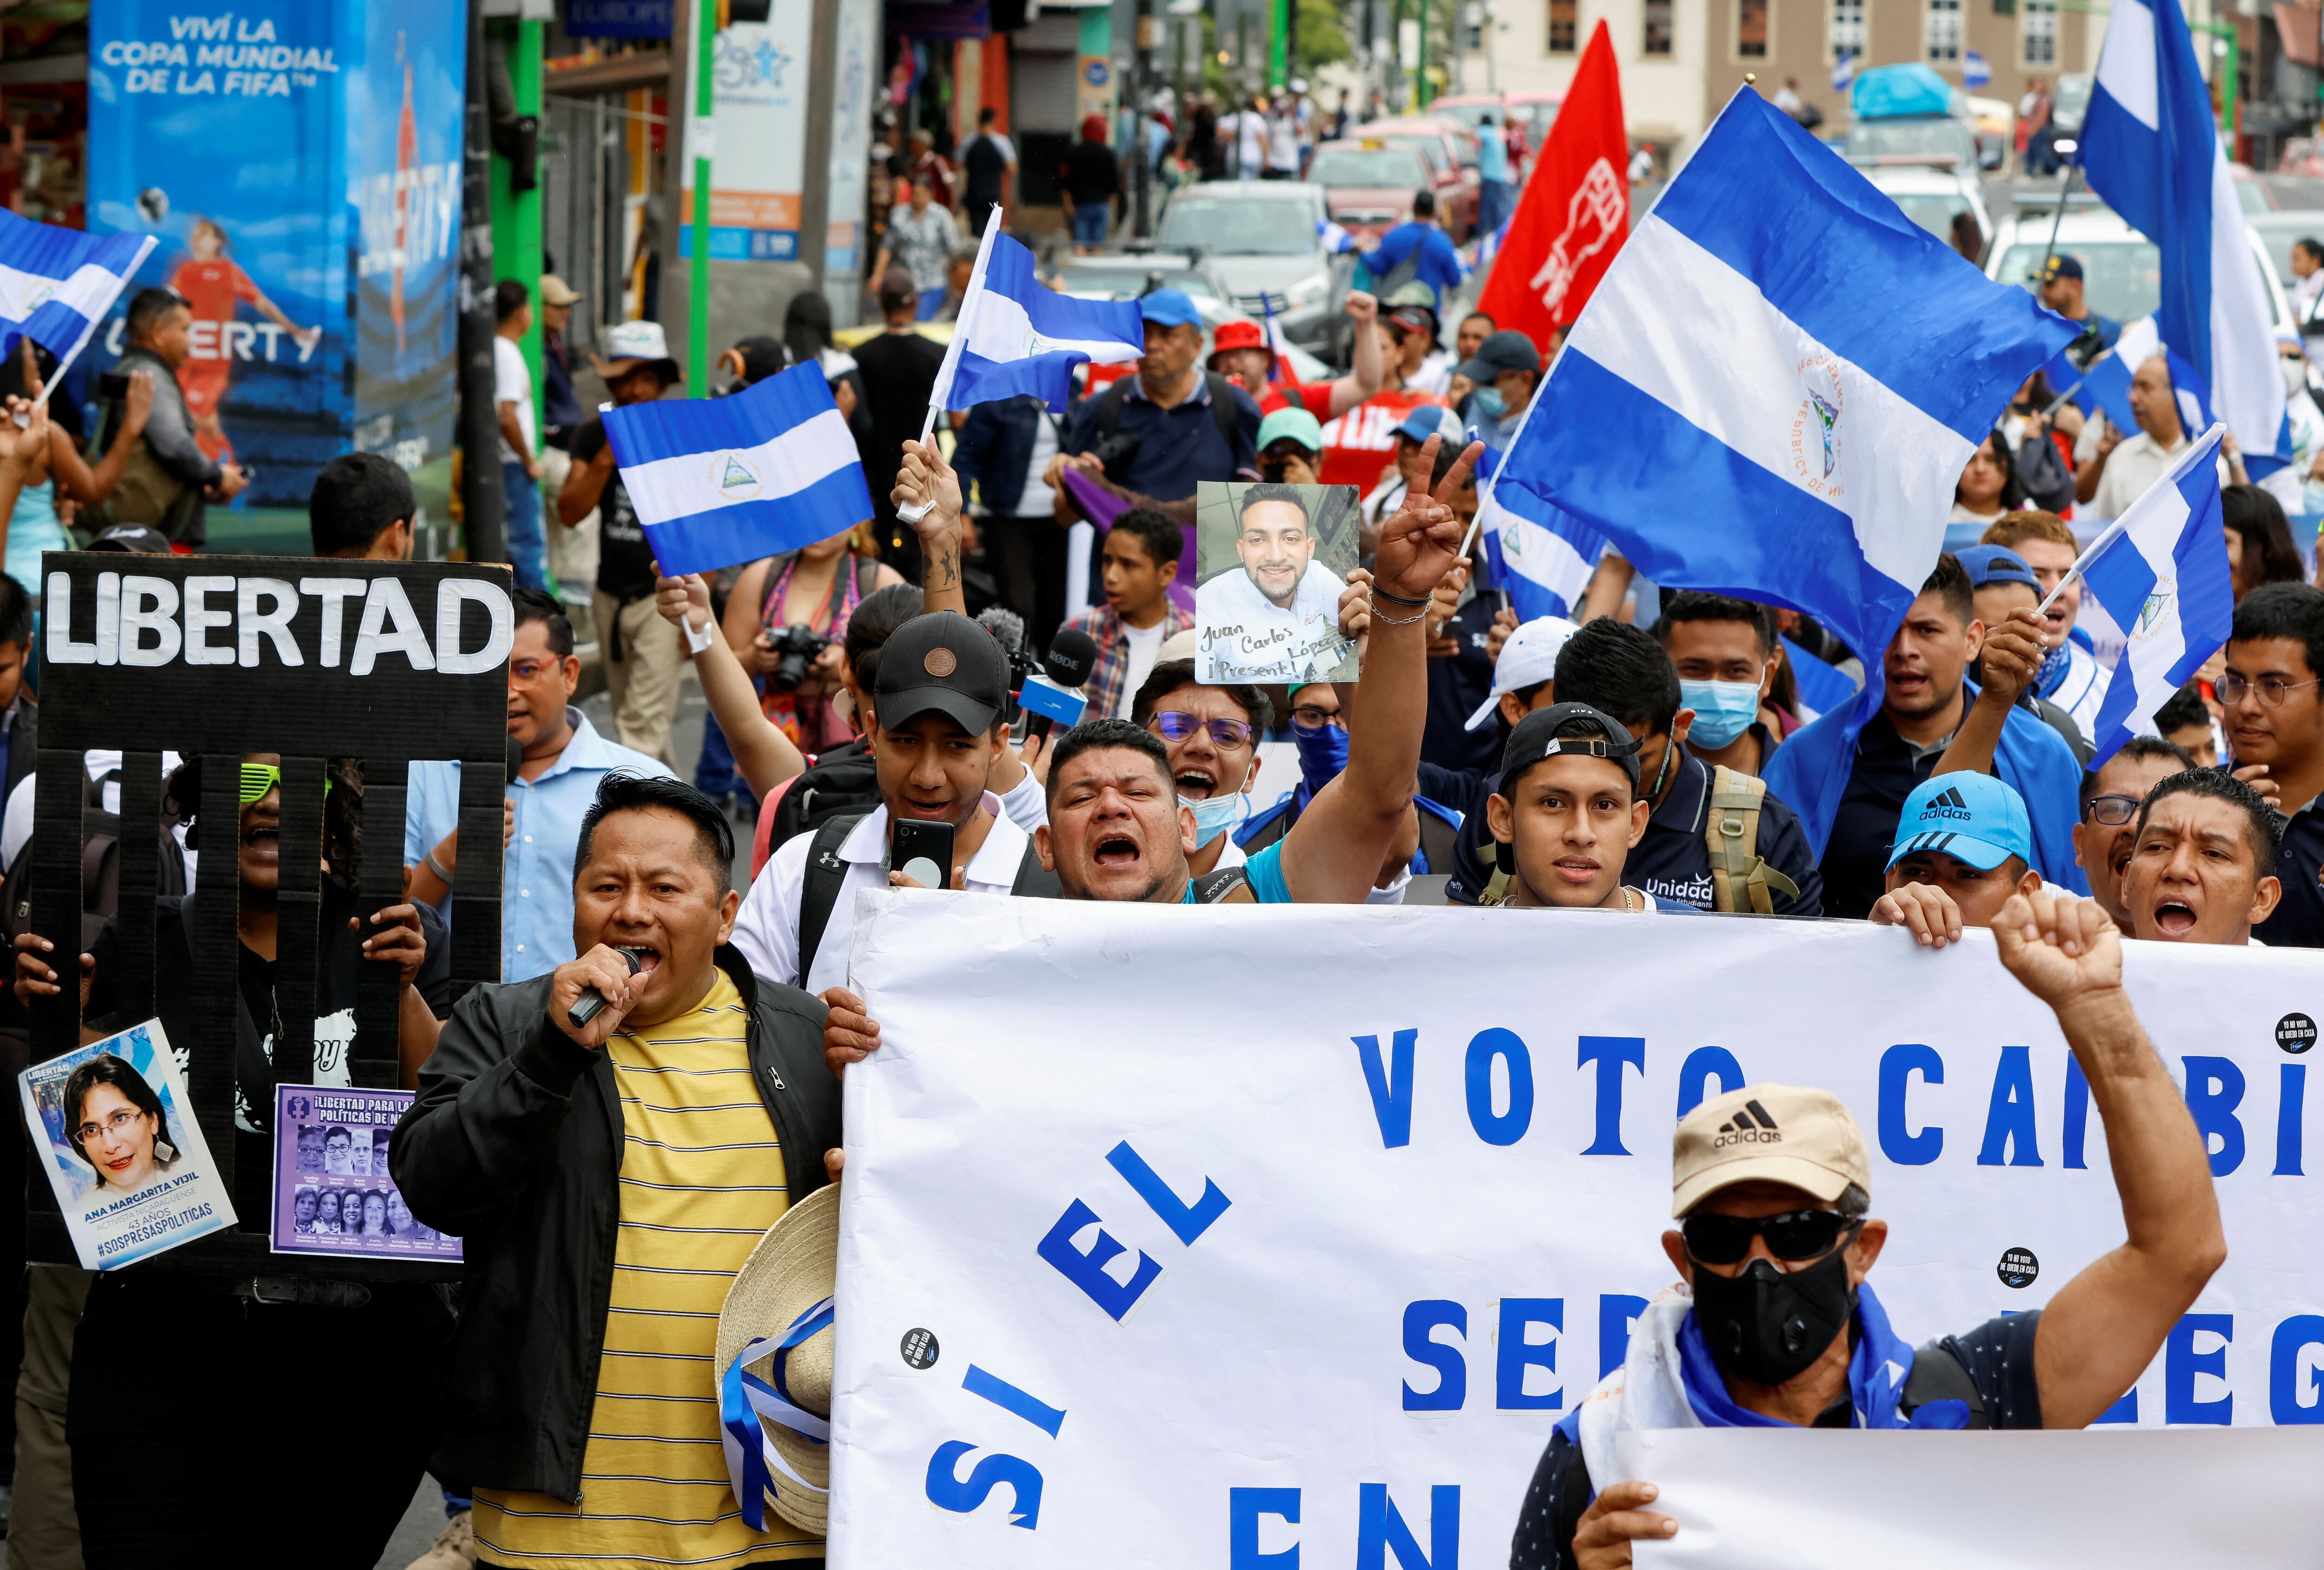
[258, 779]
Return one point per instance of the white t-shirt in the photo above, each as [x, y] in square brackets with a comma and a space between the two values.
[512, 383]
[1250, 129]
[1283, 142]
[1037, 499]
[1268, 641]
[1145, 643]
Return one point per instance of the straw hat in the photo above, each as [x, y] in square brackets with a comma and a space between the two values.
[793, 1267]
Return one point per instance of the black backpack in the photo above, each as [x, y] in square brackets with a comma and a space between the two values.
[825, 872]
[842, 780]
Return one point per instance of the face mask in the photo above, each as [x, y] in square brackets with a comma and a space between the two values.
[1323, 754]
[1767, 1326]
[1487, 403]
[2295, 376]
[1723, 710]
[1214, 814]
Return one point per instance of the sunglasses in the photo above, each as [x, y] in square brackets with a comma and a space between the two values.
[1795, 1234]
[1177, 725]
[258, 779]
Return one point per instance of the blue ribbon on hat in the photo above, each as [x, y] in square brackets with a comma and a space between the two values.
[747, 1403]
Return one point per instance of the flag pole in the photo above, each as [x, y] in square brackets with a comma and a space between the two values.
[941, 389]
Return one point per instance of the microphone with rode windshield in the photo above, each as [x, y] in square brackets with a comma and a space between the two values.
[1055, 697]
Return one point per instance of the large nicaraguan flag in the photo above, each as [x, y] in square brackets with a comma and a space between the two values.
[57, 284]
[2160, 571]
[1778, 383]
[2150, 147]
[716, 481]
[1015, 335]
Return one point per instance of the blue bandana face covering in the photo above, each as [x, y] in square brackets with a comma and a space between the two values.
[1723, 710]
[1323, 754]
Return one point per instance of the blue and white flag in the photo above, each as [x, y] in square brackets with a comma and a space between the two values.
[1542, 555]
[716, 481]
[57, 284]
[2150, 147]
[1843, 72]
[2160, 571]
[1015, 335]
[1776, 387]
[1489, 246]
[1336, 239]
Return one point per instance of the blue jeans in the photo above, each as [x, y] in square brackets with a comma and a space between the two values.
[1089, 222]
[1494, 204]
[528, 547]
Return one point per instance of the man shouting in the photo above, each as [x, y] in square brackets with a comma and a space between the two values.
[1775, 1323]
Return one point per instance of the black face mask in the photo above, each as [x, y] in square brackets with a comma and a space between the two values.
[1767, 1326]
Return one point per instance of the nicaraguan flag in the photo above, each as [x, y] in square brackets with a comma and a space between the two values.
[1540, 556]
[2150, 147]
[1336, 239]
[1015, 335]
[1776, 385]
[721, 480]
[2160, 571]
[1490, 246]
[1822, 686]
[57, 284]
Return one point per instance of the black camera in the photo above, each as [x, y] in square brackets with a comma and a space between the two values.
[795, 649]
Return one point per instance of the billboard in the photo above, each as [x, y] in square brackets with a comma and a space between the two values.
[758, 88]
[299, 166]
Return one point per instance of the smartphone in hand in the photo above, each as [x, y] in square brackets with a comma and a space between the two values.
[922, 852]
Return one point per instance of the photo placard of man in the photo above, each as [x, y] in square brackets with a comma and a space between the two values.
[1274, 615]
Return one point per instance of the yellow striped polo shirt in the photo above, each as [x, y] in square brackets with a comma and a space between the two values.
[702, 1179]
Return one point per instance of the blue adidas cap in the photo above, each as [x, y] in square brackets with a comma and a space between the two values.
[1169, 307]
[1971, 817]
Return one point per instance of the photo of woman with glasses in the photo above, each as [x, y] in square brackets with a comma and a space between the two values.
[117, 1123]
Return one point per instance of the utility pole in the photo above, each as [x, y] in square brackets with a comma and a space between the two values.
[482, 504]
[1420, 75]
[1279, 47]
[703, 137]
[1142, 84]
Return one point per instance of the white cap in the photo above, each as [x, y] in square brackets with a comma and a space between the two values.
[636, 340]
[1530, 656]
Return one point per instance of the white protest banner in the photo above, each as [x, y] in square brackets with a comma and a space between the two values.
[1819, 1498]
[1177, 1237]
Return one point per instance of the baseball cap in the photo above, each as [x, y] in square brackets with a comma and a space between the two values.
[1415, 293]
[1536, 737]
[2062, 267]
[134, 538]
[1504, 351]
[555, 290]
[632, 343]
[1990, 564]
[1411, 319]
[1771, 1133]
[1527, 658]
[1972, 817]
[1297, 424]
[762, 357]
[945, 662]
[1431, 420]
[1170, 308]
[1233, 335]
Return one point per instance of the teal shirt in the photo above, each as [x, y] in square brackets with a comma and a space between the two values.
[1265, 873]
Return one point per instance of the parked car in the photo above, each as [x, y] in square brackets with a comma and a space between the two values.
[1450, 149]
[2122, 269]
[1368, 183]
[1909, 112]
[1934, 194]
[1263, 240]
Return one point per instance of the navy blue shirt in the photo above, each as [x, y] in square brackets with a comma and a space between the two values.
[2299, 919]
[1855, 864]
[1176, 447]
[1457, 684]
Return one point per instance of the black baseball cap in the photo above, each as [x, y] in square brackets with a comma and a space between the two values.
[1536, 737]
[1504, 351]
[133, 537]
[945, 662]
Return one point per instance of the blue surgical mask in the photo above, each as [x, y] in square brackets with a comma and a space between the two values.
[1487, 403]
[1723, 710]
[1323, 754]
[1214, 814]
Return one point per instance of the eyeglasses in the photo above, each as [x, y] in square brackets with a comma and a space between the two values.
[525, 672]
[2114, 811]
[1177, 725]
[2232, 687]
[118, 1122]
[1308, 718]
[1795, 1234]
[258, 779]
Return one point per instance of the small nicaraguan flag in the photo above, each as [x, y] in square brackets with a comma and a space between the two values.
[1541, 555]
[1015, 335]
[1738, 411]
[1490, 246]
[1336, 239]
[2151, 147]
[57, 284]
[1843, 72]
[2160, 571]
[716, 481]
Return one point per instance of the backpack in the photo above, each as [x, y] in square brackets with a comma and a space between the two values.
[825, 872]
[101, 867]
[842, 780]
[1740, 878]
[1115, 452]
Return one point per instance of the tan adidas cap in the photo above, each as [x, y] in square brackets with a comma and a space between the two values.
[1768, 1133]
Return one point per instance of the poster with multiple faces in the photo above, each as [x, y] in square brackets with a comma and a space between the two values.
[332, 1191]
[115, 1131]
[1272, 561]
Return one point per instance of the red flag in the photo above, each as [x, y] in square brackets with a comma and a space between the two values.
[1575, 211]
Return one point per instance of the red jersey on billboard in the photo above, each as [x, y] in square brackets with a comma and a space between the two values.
[1575, 211]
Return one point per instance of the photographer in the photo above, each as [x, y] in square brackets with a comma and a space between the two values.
[786, 618]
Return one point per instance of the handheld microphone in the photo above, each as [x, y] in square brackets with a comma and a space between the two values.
[1008, 630]
[1055, 697]
[592, 1002]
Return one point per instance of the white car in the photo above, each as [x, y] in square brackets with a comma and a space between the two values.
[2122, 269]
[1934, 194]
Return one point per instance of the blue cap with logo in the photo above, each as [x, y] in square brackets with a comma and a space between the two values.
[1989, 564]
[1971, 817]
[1169, 308]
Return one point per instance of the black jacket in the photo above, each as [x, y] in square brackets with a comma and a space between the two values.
[514, 1145]
[995, 445]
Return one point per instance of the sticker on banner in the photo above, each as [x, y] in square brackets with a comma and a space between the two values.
[2295, 1033]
